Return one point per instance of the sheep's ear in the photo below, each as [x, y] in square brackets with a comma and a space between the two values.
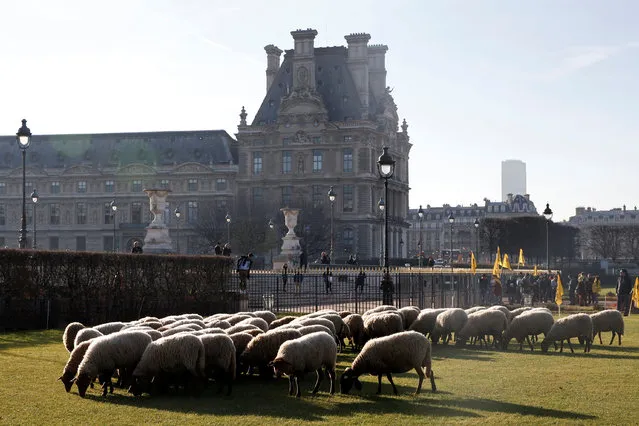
[60, 378]
[357, 384]
[278, 363]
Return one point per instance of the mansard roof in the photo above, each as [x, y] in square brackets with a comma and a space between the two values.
[119, 149]
[334, 83]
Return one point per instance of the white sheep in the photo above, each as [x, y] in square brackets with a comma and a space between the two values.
[267, 316]
[110, 327]
[576, 325]
[518, 311]
[70, 331]
[481, 323]
[383, 323]
[106, 354]
[263, 348]
[218, 324]
[391, 354]
[220, 359]
[257, 322]
[530, 323]
[474, 309]
[86, 334]
[308, 329]
[71, 367]
[378, 309]
[179, 329]
[448, 322]
[239, 327]
[502, 308]
[254, 332]
[426, 320]
[410, 314]
[305, 354]
[282, 321]
[355, 324]
[237, 318]
[608, 320]
[320, 321]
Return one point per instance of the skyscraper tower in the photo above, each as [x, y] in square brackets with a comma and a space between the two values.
[513, 178]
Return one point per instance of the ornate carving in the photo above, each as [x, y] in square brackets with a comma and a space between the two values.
[302, 137]
[300, 164]
[302, 76]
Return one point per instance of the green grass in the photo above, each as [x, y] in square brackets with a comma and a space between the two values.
[475, 387]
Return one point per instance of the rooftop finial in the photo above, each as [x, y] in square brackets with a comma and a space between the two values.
[404, 126]
[243, 117]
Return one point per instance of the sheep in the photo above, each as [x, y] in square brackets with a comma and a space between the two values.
[249, 314]
[320, 321]
[391, 354]
[263, 348]
[608, 320]
[212, 330]
[217, 317]
[241, 327]
[194, 316]
[488, 321]
[70, 331]
[426, 320]
[176, 330]
[305, 354]
[71, 367]
[108, 353]
[86, 334]
[449, 321]
[254, 332]
[240, 340]
[340, 328]
[258, 322]
[237, 318]
[474, 309]
[383, 324]
[154, 334]
[220, 359]
[355, 324]
[109, 327]
[184, 322]
[218, 324]
[529, 323]
[308, 329]
[515, 312]
[381, 308]
[410, 314]
[282, 321]
[344, 314]
[576, 325]
[502, 308]
[267, 316]
[169, 355]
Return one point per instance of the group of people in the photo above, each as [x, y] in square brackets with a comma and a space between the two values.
[584, 290]
[220, 250]
[298, 278]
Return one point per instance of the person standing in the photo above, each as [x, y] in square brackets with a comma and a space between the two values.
[483, 289]
[217, 249]
[136, 247]
[624, 288]
[303, 260]
[328, 280]
[360, 280]
[596, 288]
[298, 277]
[243, 270]
[325, 259]
[553, 287]
[226, 251]
[284, 277]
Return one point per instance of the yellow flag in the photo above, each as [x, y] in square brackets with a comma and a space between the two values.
[506, 262]
[560, 291]
[498, 256]
[473, 262]
[535, 273]
[635, 293]
[496, 271]
[521, 261]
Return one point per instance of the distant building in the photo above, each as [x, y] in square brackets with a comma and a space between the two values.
[513, 178]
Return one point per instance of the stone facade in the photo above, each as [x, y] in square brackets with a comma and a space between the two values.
[326, 115]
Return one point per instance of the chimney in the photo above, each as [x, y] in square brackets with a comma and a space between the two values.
[357, 63]
[527, 197]
[509, 198]
[377, 68]
[579, 211]
[272, 63]
[304, 59]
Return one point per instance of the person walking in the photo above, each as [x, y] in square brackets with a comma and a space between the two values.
[136, 247]
[360, 280]
[596, 288]
[624, 288]
[298, 278]
[243, 269]
[217, 249]
[328, 280]
[303, 260]
[284, 277]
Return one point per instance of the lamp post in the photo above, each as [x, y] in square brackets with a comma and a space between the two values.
[476, 238]
[114, 209]
[451, 220]
[381, 206]
[178, 213]
[331, 198]
[271, 225]
[548, 216]
[420, 214]
[228, 228]
[34, 198]
[386, 167]
[24, 140]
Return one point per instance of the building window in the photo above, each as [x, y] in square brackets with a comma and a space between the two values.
[108, 214]
[348, 239]
[3, 188]
[136, 212]
[109, 186]
[3, 215]
[221, 206]
[81, 243]
[81, 213]
[164, 184]
[220, 184]
[348, 138]
[286, 141]
[258, 196]
[318, 195]
[54, 243]
[136, 186]
[287, 160]
[107, 243]
[82, 187]
[54, 214]
[192, 185]
[54, 188]
[318, 157]
[28, 189]
[317, 139]
[348, 198]
[348, 160]
[191, 212]
[257, 163]
[287, 195]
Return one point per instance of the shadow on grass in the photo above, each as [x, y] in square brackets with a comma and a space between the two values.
[452, 352]
[483, 404]
[29, 338]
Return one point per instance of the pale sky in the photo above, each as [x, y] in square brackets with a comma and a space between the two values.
[550, 82]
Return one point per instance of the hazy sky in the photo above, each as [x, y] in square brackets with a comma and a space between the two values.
[553, 83]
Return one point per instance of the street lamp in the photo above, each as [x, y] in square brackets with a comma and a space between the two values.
[34, 198]
[420, 214]
[381, 206]
[331, 198]
[386, 167]
[228, 228]
[451, 220]
[178, 213]
[24, 140]
[114, 209]
[548, 216]
[271, 225]
[476, 237]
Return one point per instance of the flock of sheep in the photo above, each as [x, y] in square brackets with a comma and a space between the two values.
[152, 355]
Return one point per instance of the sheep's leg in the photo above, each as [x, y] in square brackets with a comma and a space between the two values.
[297, 385]
[420, 373]
[561, 346]
[331, 375]
[320, 376]
[588, 344]
[619, 334]
[599, 334]
[521, 344]
[379, 384]
[389, 376]
[611, 340]
[290, 385]
[529, 344]
[572, 351]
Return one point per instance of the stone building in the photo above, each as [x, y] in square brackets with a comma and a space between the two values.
[325, 117]
[78, 176]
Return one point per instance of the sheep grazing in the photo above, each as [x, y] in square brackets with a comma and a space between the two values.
[282, 321]
[502, 308]
[474, 309]
[344, 314]
[110, 327]
[391, 354]
[378, 309]
[106, 354]
[355, 324]
[316, 321]
[530, 323]
[481, 323]
[410, 314]
[608, 320]
[240, 341]
[70, 331]
[577, 325]
[86, 334]
[263, 348]
[254, 332]
[257, 322]
[305, 354]
[382, 324]
[237, 318]
[176, 330]
[515, 312]
[218, 324]
[167, 357]
[71, 367]
[426, 320]
[267, 316]
[220, 360]
[193, 316]
[238, 328]
[448, 322]
[308, 329]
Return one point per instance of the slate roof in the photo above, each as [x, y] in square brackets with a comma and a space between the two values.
[334, 83]
[119, 149]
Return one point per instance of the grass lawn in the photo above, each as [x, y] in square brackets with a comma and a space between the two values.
[475, 387]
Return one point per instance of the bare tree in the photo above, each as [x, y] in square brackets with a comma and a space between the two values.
[606, 241]
[631, 241]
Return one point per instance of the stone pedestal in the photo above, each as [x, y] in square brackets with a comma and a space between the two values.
[290, 242]
[157, 239]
